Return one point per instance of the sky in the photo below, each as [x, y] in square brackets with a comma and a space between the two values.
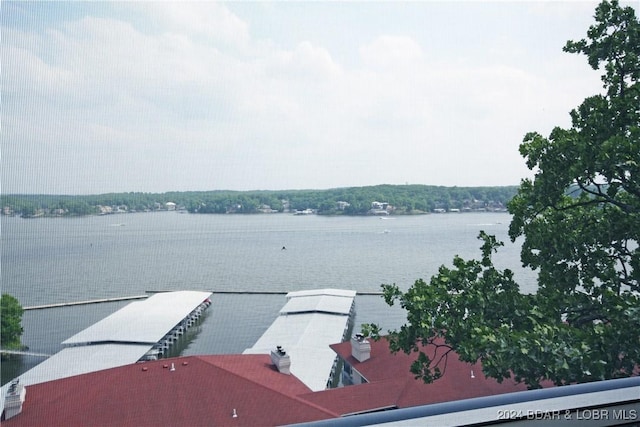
[153, 96]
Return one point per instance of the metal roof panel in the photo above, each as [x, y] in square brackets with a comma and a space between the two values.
[318, 303]
[142, 321]
[306, 338]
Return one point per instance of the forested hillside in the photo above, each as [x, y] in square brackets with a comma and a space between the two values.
[392, 199]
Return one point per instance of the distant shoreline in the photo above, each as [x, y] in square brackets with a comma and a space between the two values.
[395, 214]
[381, 200]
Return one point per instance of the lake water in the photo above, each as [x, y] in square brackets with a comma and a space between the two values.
[51, 260]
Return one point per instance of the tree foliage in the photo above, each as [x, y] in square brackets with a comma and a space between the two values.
[580, 219]
[11, 321]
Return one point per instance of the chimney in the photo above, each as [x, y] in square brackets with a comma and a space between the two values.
[360, 348]
[14, 400]
[281, 359]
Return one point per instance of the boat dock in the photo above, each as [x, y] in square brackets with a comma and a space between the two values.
[308, 323]
[141, 330]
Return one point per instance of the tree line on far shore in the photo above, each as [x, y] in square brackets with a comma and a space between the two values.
[397, 199]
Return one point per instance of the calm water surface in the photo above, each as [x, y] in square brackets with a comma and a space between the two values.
[51, 260]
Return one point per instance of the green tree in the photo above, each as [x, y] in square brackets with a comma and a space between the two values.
[580, 219]
[28, 210]
[11, 321]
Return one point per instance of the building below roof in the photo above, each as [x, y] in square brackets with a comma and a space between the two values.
[308, 323]
[613, 402]
[385, 393]
[377, 379]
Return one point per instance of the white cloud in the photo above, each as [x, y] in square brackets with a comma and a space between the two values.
[203, 18]
[185, 87]
[391, 51]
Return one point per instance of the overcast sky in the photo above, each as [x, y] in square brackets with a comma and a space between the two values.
[160, 96]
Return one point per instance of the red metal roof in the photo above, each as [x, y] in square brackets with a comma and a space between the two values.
[205, 390]
[391, 384]
[202, 390]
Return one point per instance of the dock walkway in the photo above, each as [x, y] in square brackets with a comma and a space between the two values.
[93, 301]
[137, 297]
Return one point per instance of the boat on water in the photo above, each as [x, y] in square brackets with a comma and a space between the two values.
[303, 212]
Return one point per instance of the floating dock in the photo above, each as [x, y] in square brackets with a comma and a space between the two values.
[308, 323]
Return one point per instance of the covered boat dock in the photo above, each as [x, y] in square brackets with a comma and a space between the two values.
[141, 330]
[308, 323]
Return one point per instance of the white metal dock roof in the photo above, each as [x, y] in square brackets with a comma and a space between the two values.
[142, 321]
[307, 325]
[84, 359]
[318, 303]
[327, 291]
